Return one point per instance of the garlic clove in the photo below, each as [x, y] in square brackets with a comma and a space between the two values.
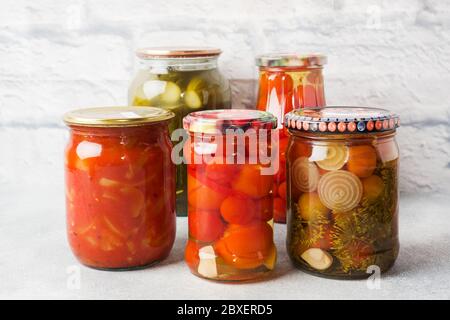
[207, 266]
[317, 258]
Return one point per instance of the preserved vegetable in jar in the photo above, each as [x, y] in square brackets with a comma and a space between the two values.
[230, 181]
[181, 80]
[120, 186]
[342, 190]
[287, 82]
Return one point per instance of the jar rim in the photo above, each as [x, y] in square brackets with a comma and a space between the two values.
[116, 116]
[220, 120]
[341, 120]
[149, 53]
[291, 60]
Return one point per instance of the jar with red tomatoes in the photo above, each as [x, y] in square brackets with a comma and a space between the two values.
[230, 194]
[120, 186]
[286, 82]
[342, 178]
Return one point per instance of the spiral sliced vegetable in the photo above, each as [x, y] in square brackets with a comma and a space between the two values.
[305, 175]
[340, 190]
[336, 157]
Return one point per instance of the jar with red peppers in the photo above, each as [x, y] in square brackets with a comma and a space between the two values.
[288, 81]
[120, 186]
[230, 181]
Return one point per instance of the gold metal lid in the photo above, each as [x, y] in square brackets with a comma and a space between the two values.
[291, 60]
[116, 116]
[177, 52]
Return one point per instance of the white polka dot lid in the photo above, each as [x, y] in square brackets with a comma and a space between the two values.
[335, 120]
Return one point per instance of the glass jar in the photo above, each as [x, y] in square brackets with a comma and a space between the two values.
[342, 177]
[230, 180]
[181, 80]
[120, 186]
[287, 82]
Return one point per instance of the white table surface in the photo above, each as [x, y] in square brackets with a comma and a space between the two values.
[35, 260]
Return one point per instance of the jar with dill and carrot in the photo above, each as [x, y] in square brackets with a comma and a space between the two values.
[342, 190]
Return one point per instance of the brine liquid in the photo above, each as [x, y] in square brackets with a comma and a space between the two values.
[343, 206]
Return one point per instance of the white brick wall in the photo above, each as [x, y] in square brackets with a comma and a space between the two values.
[56, 55]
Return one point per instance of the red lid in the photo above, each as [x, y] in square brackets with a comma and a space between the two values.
[211, 121]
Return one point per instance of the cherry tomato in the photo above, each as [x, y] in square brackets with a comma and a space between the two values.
[205, 226]
[282, 190]
[362, 160]
[203, 197]
[237, 210]
[325, 241]
[251, 182]
[279, 210]
[246, 247]
[264, 208]
[360, 252]
[191, 254]
[221, 173]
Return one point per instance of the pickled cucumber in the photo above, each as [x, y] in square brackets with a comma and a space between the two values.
[181, 92]
[167, 92]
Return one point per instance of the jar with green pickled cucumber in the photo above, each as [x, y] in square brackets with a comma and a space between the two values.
[181, 80]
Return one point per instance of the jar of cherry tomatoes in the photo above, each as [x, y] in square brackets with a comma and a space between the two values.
[342, 177]
[230, 194]
[120, 186]
[182, 80]
[287, 82]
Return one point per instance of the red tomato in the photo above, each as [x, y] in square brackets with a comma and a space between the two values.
[360, 252]
[264, 208]
[191, 254]
[251, 182]
[282, 190]
[246, 247]
[238, 210]
[221, 173]
[325, 241]
[279, 210]
[205, 198]
[205, 226]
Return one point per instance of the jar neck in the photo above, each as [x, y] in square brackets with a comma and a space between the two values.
[165, 65]
[388, 135]
[144, 130]
[291, 69]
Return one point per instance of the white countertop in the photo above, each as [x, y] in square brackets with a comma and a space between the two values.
[36, 262]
